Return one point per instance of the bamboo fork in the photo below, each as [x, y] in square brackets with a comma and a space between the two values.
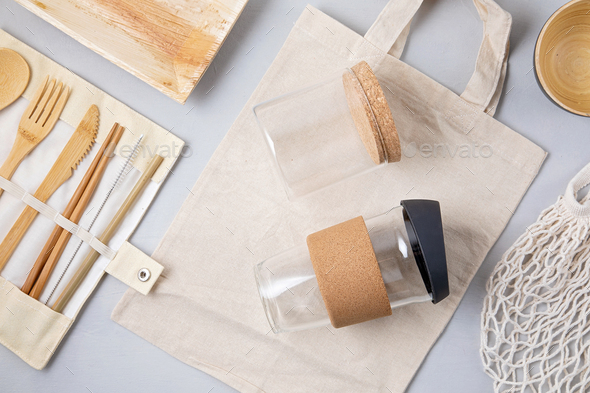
[36, 123]
[74, 151]
[67, 213]
[108, 233]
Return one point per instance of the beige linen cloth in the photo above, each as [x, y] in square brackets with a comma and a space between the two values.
[205, 310]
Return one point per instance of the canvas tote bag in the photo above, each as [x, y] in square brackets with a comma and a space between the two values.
[206, 311]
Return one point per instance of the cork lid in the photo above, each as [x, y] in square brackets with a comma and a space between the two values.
[371, 114]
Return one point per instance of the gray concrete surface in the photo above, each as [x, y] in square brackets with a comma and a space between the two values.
[100, 356]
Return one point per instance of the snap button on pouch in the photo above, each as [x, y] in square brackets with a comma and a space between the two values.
[143, 275]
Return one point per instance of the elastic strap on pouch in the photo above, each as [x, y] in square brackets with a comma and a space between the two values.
[129, 264]
[52, 214]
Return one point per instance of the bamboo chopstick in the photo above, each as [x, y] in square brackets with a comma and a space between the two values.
[108, 233]
[76, 215]
[45, 252]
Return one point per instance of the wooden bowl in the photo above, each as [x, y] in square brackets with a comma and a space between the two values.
[562, 57]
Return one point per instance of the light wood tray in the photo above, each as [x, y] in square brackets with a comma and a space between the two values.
[167, 43]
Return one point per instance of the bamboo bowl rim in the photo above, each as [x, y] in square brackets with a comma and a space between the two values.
[541, 67]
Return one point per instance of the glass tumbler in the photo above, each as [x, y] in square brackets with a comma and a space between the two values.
[409, 247]
[333, 130]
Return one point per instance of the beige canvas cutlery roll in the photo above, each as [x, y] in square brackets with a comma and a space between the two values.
[207, 312]
[28, 327]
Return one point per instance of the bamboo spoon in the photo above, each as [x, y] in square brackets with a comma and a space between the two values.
[64, 237]
[14, 76]
[57, 231]
[108, 233]
[75, 150]
[37, 121]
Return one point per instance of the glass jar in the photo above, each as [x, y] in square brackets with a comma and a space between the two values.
[409, 247]
[330, 131]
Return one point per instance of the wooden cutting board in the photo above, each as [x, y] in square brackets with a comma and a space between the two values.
[167, 43]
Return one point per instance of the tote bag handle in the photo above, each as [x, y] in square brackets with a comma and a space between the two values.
[390, 31]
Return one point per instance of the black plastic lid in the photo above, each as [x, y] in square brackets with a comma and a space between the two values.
[425, 232]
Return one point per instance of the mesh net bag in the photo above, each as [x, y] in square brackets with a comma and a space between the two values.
[535, 328]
